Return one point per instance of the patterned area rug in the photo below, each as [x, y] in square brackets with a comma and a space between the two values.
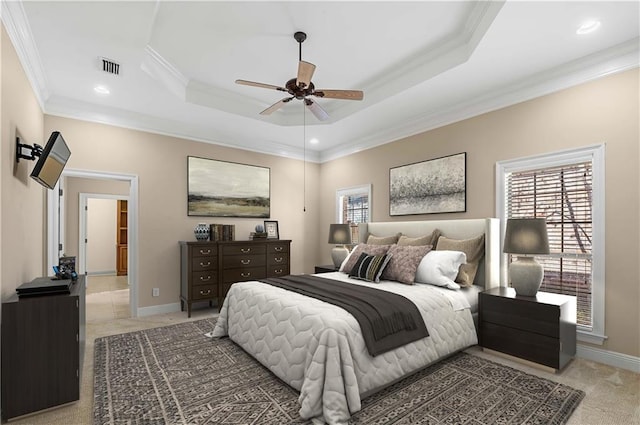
[175, 375]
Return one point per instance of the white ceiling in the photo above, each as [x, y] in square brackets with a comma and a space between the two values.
[420, 64]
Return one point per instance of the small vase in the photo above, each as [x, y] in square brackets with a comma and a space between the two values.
[201, 231]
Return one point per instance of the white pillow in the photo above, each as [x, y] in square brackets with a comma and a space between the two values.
[440, 268]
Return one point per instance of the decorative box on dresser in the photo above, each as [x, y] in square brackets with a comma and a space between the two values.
[43, 339]
[541, 329]
[198, 273]
[208, 269]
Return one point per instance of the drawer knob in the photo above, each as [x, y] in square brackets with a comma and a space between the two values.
[278, 260]
[278, 271]
[277, 248]
[247, 274]
[207, 264]
[245, 261]
[245, 250]
[203, 279]
[203, 292]
[205, 251]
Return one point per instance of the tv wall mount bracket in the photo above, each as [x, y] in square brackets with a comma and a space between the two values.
[28, 152]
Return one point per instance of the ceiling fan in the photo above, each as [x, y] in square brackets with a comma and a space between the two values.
[302, 87]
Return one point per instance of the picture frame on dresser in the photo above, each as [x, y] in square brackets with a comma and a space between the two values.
[271, 228]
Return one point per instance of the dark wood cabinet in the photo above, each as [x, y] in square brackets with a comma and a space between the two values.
[208, 269]
[198, 273]
[43, 339]
[541, 329]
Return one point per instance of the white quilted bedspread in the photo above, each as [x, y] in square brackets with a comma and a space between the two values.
[317, 348]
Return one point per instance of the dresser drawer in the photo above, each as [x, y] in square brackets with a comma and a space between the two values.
[247, 273]
[277, 247]
[277, 270]
[243, 249]
[204, 278]
[243, 261]
[530, 346]
[204, 292]
[524, 315]
[274, 259]
[204, 263]
[204, 251]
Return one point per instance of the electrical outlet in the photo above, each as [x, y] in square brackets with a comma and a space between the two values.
[156, 292]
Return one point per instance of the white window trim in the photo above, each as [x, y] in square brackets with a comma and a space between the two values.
[595, 154]
[354, 190]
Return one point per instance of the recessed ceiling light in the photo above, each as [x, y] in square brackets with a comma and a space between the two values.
[314, 141]
[588, 27]
[101, 90]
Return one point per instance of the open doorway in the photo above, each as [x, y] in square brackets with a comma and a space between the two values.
[58, 218]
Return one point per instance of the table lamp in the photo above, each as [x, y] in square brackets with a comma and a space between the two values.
[526, 237]
[340, 235]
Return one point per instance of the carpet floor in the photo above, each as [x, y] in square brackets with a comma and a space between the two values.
[176, 375]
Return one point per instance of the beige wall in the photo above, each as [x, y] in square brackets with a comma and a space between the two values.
[74, 186]
[160, 162]
[101, 235]
[605, 110]
[22, 199]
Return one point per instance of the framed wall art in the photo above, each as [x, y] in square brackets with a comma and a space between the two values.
[429, 187]
[227, 189]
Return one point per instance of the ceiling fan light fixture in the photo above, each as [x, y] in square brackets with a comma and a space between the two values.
[588, 27]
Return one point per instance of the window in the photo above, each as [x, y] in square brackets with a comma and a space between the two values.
[353, 206]
[566, 188]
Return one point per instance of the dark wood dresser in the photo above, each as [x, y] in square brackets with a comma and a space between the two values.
[541, 329]
[208, 269]
[43, 339]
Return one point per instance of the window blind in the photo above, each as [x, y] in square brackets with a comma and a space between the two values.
[355, 209]
[562, 195]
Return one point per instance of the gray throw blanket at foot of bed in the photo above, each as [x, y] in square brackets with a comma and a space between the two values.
[387, 320]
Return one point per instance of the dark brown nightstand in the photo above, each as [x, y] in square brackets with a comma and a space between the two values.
[326, 269]
[541, 329]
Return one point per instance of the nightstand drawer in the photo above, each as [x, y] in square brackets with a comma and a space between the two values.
[530, 346]
[524, 315]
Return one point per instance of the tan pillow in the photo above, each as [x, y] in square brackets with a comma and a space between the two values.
[473, 248]
[351, 261]
[422, 240]
[404, 262]
[382, 240]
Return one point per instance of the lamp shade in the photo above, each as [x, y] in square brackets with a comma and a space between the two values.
[339, 234]
[526, 236]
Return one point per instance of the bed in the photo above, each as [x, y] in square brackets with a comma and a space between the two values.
[317, 348]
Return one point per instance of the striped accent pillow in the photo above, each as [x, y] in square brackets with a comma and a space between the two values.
[369, 267]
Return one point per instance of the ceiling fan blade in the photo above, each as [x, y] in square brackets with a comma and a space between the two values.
[320, 113]
[340, 94]
[262, 85]
[276, 106]
[305, 72]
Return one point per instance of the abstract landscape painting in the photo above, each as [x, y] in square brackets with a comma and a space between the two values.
[227, 189]
[428, 187]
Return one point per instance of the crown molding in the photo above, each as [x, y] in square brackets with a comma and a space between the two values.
[623, 57]
[16, 23]
[163, 71]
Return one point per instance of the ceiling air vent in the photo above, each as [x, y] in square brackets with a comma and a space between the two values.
[107, 65]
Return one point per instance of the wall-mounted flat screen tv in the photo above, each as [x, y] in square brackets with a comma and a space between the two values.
[52, 160]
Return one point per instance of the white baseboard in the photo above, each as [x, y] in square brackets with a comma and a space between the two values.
[611, 358]
[158, 309]
[102, 273]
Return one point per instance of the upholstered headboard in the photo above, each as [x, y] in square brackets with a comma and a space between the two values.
[488, 271]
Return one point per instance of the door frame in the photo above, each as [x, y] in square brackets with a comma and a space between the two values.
[132, 225]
